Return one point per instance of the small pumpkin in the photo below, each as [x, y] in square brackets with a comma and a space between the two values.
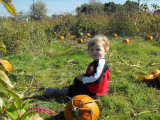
[126, 40]
[155, 72]
[88, 35]
[146, 78]
[115, 35]
[80, 40]
[81, 107]
[149, 38]
[6, 66]
[61, 37]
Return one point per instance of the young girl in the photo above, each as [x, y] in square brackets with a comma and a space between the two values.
[96, 79]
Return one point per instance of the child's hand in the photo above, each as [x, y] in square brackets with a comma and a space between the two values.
[79, 77]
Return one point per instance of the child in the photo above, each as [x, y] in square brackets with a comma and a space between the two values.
[96, 79]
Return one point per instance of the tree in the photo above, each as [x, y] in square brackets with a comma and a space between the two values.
[92, 7]
[38, 10]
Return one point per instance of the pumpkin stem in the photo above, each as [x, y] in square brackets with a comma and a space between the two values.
[76, 113]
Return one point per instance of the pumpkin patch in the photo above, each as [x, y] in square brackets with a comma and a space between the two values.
[81, 107]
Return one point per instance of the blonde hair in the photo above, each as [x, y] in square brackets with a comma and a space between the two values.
[97, 39]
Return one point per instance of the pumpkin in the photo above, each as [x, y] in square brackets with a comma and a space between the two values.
[80, 40]
[115, 35]
[149, 38]
[88, 35]
[81, 107]
[126, 40]
[6, 66]
[61, 37]
[146, 78]
[155, 72]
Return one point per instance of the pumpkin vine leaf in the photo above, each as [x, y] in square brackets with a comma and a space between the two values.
[9, 7]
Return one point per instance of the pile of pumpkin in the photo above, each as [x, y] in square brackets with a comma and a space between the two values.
[153, 75]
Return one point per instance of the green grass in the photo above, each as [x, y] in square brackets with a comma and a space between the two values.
[58, 64]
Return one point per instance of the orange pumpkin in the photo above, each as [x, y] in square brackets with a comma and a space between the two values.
[81, 107]
[115, 35]
[155, 72]
[88, 35]
[147, 78]
[80, 41]
[126, 40]
[6, 66]
[61, 37]
[149, 38]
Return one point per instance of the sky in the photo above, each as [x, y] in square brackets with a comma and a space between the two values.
[60, 6]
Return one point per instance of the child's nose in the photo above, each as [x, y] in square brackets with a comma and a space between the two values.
[94, 51]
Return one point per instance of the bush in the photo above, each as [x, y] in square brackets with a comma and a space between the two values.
[122, 24]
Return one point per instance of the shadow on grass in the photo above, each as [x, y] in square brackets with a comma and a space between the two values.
[155, 84]
[59, 116]
[57, 98]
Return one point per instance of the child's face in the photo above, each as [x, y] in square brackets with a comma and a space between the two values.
[97, 51]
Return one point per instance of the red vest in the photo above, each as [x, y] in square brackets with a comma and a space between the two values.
[100, 88]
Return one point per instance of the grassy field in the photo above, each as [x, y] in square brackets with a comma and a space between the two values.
[59, 62]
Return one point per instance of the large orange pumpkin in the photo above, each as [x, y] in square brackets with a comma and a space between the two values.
[6, 66]
[81, 107]
[149, 38]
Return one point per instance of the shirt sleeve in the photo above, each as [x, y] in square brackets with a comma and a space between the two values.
[97, 74]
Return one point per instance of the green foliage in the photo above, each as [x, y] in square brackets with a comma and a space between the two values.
[8, 109]
[90, 8]
[122, 23]
[83, 25]
[2, 47]
[5, 80]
